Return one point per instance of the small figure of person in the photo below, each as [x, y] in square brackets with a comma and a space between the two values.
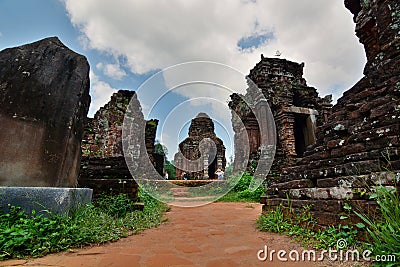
[166, 175]
[184, 175]
[220, 174]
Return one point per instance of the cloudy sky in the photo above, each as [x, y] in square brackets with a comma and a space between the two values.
[128, 41]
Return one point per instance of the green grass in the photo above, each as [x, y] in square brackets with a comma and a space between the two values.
[241, 193]
[299, 227]
[109, 219]
[385, 229]
[246, 196]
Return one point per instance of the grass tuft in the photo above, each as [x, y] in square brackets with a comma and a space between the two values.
[385, 229]
[108, 219]
[241, 193]
[299, 227]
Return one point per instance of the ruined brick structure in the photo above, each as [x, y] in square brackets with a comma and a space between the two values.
[103, 133]
[199, 155]
[297, 110]
[156, 157]
[103, 165]
[360, 140]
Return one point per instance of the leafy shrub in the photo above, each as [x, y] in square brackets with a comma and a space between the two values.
[117, 206]
[21, 234]
[385, 230]
[243, 183]
[240, 191]
[252, 196]
[109, 220]
[274, 221]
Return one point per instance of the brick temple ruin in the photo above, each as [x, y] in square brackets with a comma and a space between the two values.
[325, 155]
[356, 141]
[296, 107]
[202, 158]
[103, 165]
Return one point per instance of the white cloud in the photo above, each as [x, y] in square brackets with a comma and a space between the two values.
[173, 129]
[155, 34]
[101, 93]
[212, 83]
[1, 34]
[206, 87]
[100, 66]
[113, 71]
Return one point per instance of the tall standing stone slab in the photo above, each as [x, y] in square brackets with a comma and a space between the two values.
[44, 96]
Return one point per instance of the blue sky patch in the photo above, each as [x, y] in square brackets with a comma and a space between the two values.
[254, 41]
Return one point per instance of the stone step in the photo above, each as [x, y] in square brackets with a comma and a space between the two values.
[180, 192]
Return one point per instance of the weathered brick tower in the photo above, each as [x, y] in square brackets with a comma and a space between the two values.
[196, 155]
[297, 110]
[360, 141]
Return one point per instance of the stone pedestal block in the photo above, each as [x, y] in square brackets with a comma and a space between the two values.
[61, 201]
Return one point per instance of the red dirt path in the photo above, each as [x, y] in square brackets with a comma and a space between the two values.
[219, 234]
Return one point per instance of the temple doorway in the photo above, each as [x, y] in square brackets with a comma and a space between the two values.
[212, 167]
[303, 133]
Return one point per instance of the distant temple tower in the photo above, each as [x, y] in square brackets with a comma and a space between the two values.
[196, 152]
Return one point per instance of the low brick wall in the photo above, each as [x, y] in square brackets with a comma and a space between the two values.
[108, 176]
[128, 187]
[326, 200]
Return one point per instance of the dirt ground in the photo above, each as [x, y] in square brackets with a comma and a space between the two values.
[215, 235]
